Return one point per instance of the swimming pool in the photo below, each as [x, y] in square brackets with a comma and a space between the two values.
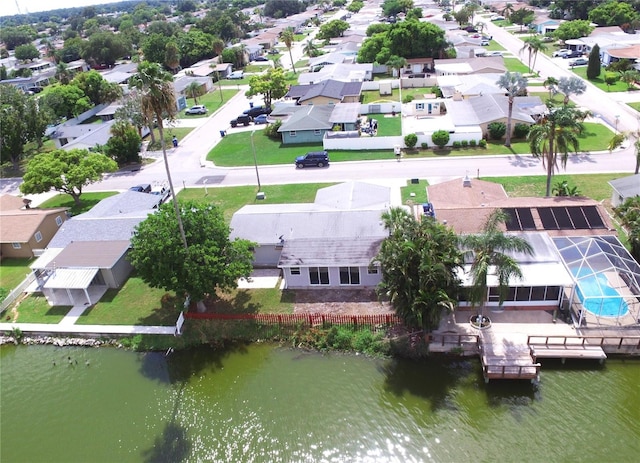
[598, 297]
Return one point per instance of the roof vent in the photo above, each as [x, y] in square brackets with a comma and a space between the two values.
[466, 181]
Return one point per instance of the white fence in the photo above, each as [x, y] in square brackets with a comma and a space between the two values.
[17, 291]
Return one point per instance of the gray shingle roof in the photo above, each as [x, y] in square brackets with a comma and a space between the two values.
[627, 186]
[329, 252]
[315, 117]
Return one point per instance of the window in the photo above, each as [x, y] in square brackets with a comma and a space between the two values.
[292, 133]
[319, 275]
[317, 132]
[38, 236]
[295, 270]
[420, 106]
[372, 270]
[553, 293]
[58, 221]
[349, 276]
[537, 293]
[16, 245]
[523, 293]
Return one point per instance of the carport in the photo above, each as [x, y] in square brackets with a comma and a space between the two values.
[73, 283]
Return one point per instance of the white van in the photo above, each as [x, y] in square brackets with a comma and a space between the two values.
[236, 75]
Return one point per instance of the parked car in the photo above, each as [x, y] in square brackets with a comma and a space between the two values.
[261, 58]
[142, 188]
[161, 191]
[243, 119]
[484, 43]
[34, 89]
[497, 18]
[236, 75]
[572, 54]
[313, 159]
[579, 62]
[273, 51]
[493, 53]
[261, 119]
[470, 29]
[197, 109]
[257, 110]
[560, 53]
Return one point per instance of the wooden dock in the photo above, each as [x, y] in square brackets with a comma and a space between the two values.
[567, 347]
[507, 359]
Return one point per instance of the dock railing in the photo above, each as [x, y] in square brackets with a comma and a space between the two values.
[620, 343]
[453, 338]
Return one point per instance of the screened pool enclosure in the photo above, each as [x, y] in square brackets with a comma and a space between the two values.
[607, 280]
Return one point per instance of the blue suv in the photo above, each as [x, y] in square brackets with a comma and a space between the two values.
[313, 159]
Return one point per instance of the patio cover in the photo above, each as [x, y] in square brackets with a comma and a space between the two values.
[71, 278]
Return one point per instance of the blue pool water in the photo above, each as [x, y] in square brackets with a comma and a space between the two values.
[599, 298]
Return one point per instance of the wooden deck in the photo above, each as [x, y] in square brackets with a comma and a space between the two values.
[507, 360]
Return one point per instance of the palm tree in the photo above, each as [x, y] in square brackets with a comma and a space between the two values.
[396, 62]
[492, 253]
[63, 74]
[617, 140]
[553, 135]
[194, 89]
[571, 86]
[310, 49]
[159, 102]
[218, 47]
[515, 84]
[533, 45]
[551, 84]
[287, 37]
[507, 10]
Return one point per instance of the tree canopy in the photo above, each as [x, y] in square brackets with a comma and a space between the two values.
[408, 39]
[271, 85]
[613, 13]
[419, 260]
[211, 262]
[282, 8]
[334, 28]
[629, 214]
[573, 30]
[96, 88]
[65, 171]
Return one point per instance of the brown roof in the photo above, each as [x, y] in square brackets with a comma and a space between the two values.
[91, 254]
[627, 52]
[19, 225]
[466, 208]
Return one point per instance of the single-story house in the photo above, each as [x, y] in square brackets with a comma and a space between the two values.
[342, 72]
[624, 188]
[25, 231]
[463, 86]
[310, 123]
[330, 242]
[326, 92]
[456, 66]
[181, 83]
[88, 253]
[484, 109]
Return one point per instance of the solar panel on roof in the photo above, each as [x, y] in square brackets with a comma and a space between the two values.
[512, 223]
[562, 218]
[593, 217]
[526, 218]
[548, 220]
[578, 218]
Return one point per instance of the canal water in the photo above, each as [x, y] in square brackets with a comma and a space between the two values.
[262, 403]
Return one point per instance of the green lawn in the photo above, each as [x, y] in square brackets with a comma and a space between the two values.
[88, 200]
[169, 132]
[594, 186]
[419, 189]
[36, 309]
[211, 100]
[373, 96]
[635, 106]
[230, 199]
[619, 86]
[235, 149]
[387, 126]
[515, 65]
[13, 271]
[494, 46]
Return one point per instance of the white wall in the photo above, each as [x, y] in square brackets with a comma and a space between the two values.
[302, 280]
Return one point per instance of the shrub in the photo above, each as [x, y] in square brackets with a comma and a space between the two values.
[521, 130]
[440, 138]
[464, 143]
[482, 143]
[497, 130]
[437, 91]
[456, 144]
[411, 140]
[407, 99]
[271, 131]
[425, 145]
[472, 143]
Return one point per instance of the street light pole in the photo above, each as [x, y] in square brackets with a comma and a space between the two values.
[255, 159]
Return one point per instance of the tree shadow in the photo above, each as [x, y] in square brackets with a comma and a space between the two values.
[430, 379]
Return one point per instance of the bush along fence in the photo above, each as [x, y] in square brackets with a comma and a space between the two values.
[304, 320]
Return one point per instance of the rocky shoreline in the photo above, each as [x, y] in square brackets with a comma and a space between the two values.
[60, 342]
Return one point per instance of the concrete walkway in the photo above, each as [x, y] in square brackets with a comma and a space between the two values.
[97, 330]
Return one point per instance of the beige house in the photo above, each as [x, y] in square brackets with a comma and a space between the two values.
[24, 230]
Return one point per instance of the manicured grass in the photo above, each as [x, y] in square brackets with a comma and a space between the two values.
[211, 100]
[419, 189]
[515, 65]
[235, 149]
[36, 309]
[133, 304]
[13, 271]
[494, 46]
[257, 67]
[619, 86]
[373, 96]
[169, 132]
[88, 200]
[387, 126]
[635, 106]
[230, 199]
[594, 186]
[260, 300]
